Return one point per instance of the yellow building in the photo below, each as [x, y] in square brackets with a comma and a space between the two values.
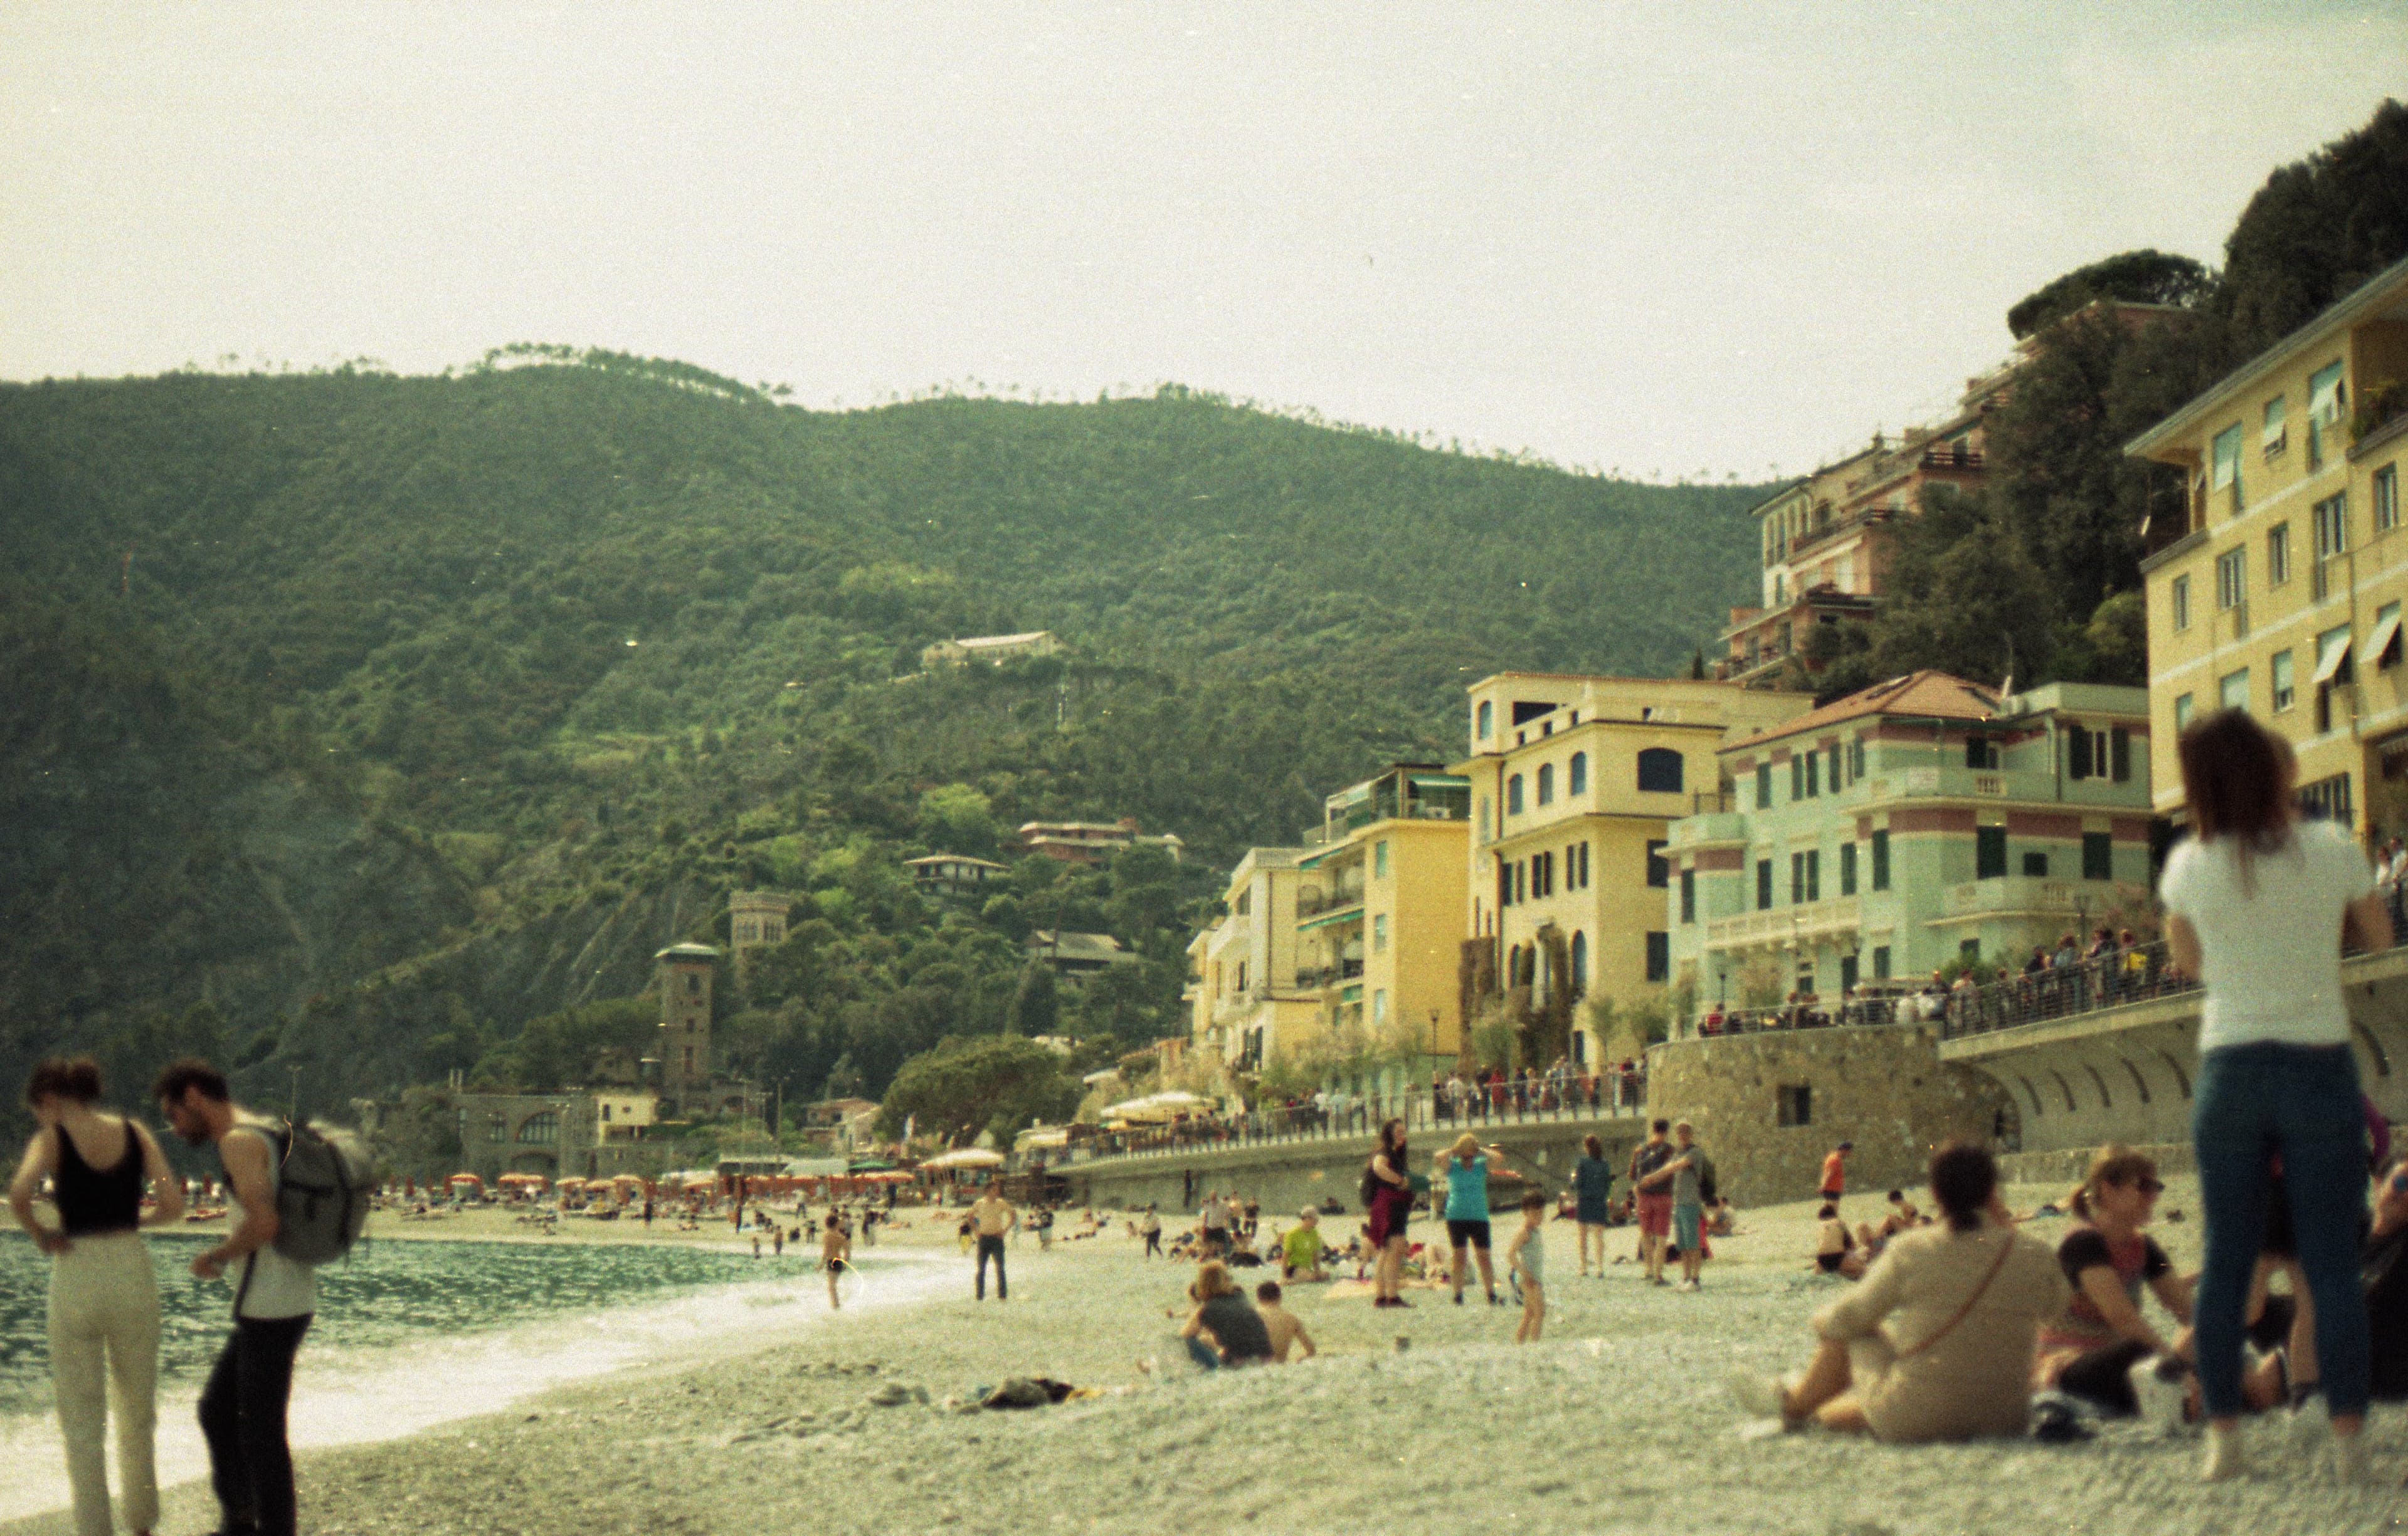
[2281, 589]
[1249, 1002]
[1573, 781]
[1379, 910]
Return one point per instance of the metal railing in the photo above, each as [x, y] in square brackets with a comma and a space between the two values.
[2104, 980]
[1546, 1099]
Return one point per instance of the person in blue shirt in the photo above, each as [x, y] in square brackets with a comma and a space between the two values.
[1593, 1191]
[1466, 1167]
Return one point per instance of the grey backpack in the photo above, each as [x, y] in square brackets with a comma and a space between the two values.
[323, 1183]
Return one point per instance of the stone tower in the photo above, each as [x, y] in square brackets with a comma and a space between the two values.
[686, 971]
[756, 919]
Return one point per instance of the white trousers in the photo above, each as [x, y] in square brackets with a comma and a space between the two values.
[103, 1323]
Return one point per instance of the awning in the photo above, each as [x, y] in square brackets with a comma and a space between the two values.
[1440, 781]
[1351, 912]
[2334, 651]
[2386, 636]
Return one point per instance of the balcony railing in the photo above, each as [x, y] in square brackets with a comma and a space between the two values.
[1311, 904]
[1780, 924]
[1313, 978]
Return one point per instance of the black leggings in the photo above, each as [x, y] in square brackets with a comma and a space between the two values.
[990, 1247]
[2103, 1376]
[242, 1412]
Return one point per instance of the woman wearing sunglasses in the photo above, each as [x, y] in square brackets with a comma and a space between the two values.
[2090, 1349]
[2258, 904]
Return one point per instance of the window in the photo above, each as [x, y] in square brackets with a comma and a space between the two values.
[2327, 799]
[2225, 453]
[2181, 711]
[2179, 597]
[1579, 962]
[1797, 777]
[2036, 864]
[1763, 885]
[2271, 435]
[2232, 690]
[2384, 644]
[1379, 1004]
[1980, 753]
[1579, 784]
[1485, 719]
[693, 983]
[2278, 554]
[2332, 658]
[1659, 873]
[1856, 758]
[1806, 877]
[1379, 936]
[2280, 668]
[1659, 957]
[497, 1127]
[1834, 772]
[1764, 786]
[1379, 858]
[1880, 861]
[2084, 752]
[540, 1129]
[1847, 869]
[1659, 771]
[1880, 962]
[2331, 517]
[1813, 774]
[1989, 853]
[2387, 498]
[1688, 895]
[1793, 1105]
[2232, 578]
[2324, 409]
[2098, 855]
[1547, 784]
[1521, 880]
[2119, 754]
[1847, 974]
[1513, 795]
[1543, 873]
[1504, 884]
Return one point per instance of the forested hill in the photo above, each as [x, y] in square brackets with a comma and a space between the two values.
[572, 635]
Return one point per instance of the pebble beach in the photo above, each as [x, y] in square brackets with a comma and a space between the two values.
[1424, 1419]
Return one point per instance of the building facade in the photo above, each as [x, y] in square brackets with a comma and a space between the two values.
[953, 873]
[1250, 1002]
[1901, 828]
[757, 920]
[1572, 781]
[1091, 842]
[993, 650]
[2280, 589]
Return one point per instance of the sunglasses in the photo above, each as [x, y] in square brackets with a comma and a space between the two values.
[2148, 1187]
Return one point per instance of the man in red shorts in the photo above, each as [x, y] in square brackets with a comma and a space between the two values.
[1654, 1203]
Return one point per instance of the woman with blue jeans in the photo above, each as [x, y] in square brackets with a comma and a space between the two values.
[2256, 905]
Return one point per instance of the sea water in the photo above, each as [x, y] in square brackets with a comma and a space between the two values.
[413, 1333]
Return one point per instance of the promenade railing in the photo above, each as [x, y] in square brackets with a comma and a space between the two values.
[2106, 980]
[1546, 1098]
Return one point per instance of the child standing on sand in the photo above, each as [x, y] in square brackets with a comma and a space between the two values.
[1528, 1255]
[836, 1250]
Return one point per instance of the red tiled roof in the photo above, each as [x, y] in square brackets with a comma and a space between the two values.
[1926, 695]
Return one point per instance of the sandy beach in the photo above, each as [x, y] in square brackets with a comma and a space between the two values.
[1616, 1422]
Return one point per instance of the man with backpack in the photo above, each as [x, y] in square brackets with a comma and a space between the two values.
[243, 1406]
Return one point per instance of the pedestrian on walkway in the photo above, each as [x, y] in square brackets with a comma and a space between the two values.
[104, 1298]
[244, 1405]
[2258, 904]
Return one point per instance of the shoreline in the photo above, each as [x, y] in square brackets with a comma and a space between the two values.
[1617, 1421]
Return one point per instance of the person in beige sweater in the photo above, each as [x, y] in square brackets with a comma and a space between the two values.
[1935, 1342]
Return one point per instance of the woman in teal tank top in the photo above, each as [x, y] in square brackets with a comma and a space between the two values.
[1465, 1167]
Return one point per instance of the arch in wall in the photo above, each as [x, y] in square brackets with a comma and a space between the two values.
[2182, 1078]
[2034, 1094]
[2373, 1047]
[2138, 1081]
[2065, 1087]
[1577, 775]
[2104, 1101]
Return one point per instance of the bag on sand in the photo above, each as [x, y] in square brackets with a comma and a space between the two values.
[324, 1176]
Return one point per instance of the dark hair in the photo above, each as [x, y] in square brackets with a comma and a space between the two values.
[1662, 1126]
[2236, 774]
[1591, 1145]
[1534, 1201]
[1963, 1179]
[76, 1077]
[1895, 1195]
[1268, 1291]
[1396, 1154]
[1827, 1212]
[189, 1071]
[2115, 1164]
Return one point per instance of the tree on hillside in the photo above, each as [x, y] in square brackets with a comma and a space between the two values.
[1000, 1084]
[1033, 1003]
[2317, 229]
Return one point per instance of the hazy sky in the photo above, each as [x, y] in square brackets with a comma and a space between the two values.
[1665, 238]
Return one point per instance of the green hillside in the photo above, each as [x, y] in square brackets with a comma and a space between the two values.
[551, 655]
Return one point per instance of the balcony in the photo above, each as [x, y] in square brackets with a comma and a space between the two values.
[1709, 827]
[2035, 896]
[1313, 980]
[1782, 926]
[1951, 782]
[1312, 904]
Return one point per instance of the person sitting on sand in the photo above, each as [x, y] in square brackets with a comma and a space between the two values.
[1286, 1329]
[1931, 1345]
[836, 1252]
[1835, 1251]
[1903, 1217]
[1721, 1220]
[1302, 1252]
[1526, 1257]
[1224, 1328]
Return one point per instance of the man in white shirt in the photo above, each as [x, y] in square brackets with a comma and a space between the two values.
[250, 1389]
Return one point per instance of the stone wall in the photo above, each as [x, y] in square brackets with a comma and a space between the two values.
[1884, 1089]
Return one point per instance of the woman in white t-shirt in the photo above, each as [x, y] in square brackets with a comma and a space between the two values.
[2258, 904]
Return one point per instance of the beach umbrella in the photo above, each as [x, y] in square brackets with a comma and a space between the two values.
[967, 1157]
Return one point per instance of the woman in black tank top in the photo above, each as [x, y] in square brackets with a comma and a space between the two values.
[104, 1300]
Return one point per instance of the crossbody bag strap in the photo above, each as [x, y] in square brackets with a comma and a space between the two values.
[2005, 1248]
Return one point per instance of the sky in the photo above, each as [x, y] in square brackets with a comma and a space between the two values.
[1708, 239]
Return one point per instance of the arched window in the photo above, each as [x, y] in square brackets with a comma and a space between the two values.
[1579, 962]
[1579, 784]
[540, 1129]
[1659, 770]
[1513, 795]
[1547, 784]
[1487, 719]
